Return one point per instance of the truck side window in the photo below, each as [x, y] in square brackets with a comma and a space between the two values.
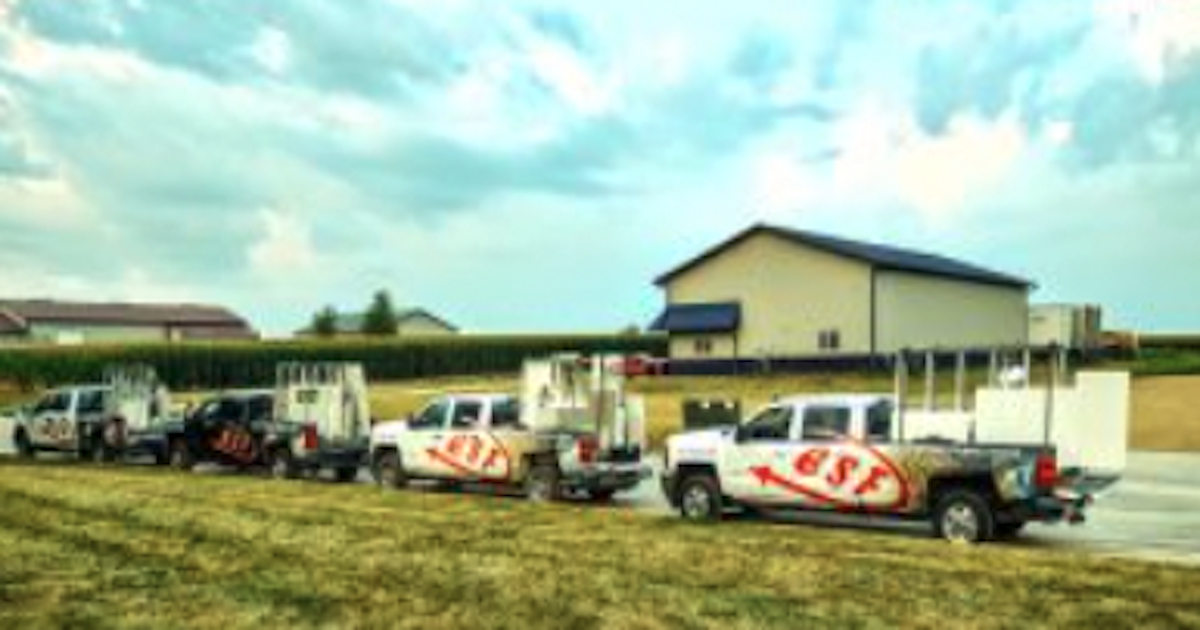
[826, 423]
[466, 415]
[57, 402]
[879, 423]
[506, 414]
[434, 416]
[774, 424]
[91, 402]
[261, 409]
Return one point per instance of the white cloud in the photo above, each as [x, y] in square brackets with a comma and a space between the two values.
[782, 186]
[1156, 31]
[272, 50]
[939, 175]
[581, 87]
[286, 250]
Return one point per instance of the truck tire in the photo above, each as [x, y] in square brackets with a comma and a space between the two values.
[964, 516]
[700, 498]
[283, 464]
[389, 471]
[542, 484]
[179, 456]
[346, 475]
[24, 447]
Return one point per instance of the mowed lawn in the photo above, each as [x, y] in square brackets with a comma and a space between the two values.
[139, 547]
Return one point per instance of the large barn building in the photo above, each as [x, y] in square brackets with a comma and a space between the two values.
[771, 292]
[54, 322]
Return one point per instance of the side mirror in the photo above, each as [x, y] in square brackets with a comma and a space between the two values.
[740, 434]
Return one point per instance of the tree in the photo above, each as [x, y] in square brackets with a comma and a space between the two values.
[324, 323]
[380, 319]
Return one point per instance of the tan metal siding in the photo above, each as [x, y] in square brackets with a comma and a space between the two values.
[788, 293]
[918, 311]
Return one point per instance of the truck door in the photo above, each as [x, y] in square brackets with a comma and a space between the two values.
[462, 453]
[426, 431]
[830, 469]
[51, 424]
[761, 445]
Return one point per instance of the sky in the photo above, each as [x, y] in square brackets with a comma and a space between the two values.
[524, 166]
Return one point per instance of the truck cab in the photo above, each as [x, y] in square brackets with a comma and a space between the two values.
[229, 429]
[64, 420]
[572, 433]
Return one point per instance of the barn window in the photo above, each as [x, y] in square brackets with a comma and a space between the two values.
[829, 339]
[704, 346]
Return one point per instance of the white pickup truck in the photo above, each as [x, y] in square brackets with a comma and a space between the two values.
[103, 422]
[575, 433]
[975, 475]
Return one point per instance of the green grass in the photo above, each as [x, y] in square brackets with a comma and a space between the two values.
[89, 547]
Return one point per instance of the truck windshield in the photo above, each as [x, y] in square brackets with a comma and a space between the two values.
[773, 424]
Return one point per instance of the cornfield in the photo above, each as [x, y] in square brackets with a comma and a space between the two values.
[223, 365]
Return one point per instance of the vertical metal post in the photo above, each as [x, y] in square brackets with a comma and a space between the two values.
[930, 394]
[1047, 426]
[901, 392]
[992, 369]
[960, 373]
[1028, 365]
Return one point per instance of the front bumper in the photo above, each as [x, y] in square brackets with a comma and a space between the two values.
[615, 477]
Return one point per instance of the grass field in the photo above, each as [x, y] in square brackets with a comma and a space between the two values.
[85, 547]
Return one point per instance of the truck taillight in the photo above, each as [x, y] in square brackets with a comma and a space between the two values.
[1045, 474]
[587, 448]
[311, 439]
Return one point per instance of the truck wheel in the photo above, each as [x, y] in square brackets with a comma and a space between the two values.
[542, 484]
[700, 499]
[283, 465]
[963, 516]
[389, 471]
[23, 445]
[346, 475]
[179, 456]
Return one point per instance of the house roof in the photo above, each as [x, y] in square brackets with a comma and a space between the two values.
[878, 256]
[699, 318]
[352, 323]
[20, 313]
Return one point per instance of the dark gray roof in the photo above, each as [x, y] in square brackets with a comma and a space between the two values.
[21, 312]
[352, 323]
[699, 318]
[879, 256]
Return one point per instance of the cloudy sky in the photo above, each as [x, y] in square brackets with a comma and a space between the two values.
[522, 166]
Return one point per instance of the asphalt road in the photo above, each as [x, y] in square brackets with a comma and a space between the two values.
[1154, 512]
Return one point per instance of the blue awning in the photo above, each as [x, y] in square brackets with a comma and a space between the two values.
[699, 318]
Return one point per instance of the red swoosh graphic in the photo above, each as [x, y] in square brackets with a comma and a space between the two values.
[453, 462]
[766, 475]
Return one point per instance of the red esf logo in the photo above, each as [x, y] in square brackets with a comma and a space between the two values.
[477, 456]
[236, 444]
[843, 476]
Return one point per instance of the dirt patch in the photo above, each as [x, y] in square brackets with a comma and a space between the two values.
[1166, 414]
